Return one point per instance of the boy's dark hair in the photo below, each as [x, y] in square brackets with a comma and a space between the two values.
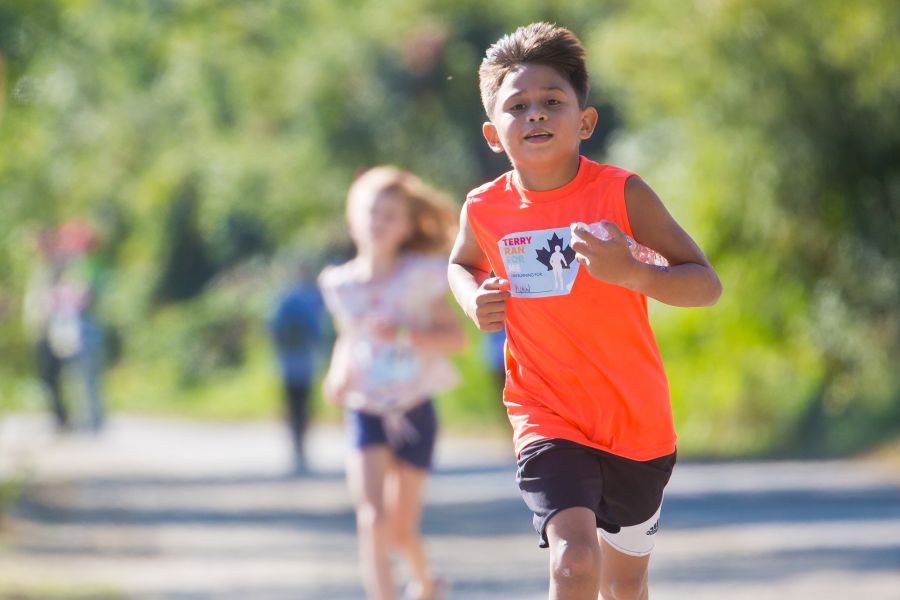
[538, 43]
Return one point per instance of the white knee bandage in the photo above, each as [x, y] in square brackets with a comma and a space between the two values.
[636, 540]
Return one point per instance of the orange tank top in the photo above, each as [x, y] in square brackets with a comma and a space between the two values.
[581, 360]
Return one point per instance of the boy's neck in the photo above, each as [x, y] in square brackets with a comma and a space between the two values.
[541, 178]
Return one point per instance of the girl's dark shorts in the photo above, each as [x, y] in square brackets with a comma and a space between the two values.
[556, 474]
[367, 429]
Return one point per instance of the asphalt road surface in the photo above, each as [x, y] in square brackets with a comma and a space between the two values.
[176, 510]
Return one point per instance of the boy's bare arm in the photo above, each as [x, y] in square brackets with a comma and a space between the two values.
[689, 280]
[469, 273]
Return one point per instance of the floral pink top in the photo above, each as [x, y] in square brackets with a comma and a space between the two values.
[389, 376]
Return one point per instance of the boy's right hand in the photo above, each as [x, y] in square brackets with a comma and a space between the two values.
[488, 306]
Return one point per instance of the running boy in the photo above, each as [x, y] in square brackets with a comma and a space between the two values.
[585, 389]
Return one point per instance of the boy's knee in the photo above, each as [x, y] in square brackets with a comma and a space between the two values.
[575, 561]
[615, 586]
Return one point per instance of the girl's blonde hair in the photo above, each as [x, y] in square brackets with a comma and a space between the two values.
[432, 215]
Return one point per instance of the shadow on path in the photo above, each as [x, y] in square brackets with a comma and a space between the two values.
[782, 565]
[783, 506]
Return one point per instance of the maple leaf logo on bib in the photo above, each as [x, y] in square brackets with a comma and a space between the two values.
[555, 244]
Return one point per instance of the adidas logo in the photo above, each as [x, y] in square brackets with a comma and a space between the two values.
[653, 529]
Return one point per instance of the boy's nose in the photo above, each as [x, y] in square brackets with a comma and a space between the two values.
[536, 115]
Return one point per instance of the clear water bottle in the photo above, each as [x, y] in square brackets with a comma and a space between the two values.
[639, 251]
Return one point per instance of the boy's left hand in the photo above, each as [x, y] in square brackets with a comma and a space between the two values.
[607, 260]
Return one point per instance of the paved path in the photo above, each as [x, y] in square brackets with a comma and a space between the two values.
[158, 509]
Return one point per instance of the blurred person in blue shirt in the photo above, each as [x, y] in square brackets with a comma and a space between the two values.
[493, 350]
[296, 331]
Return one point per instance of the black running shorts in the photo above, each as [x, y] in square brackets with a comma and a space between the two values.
[556, 474]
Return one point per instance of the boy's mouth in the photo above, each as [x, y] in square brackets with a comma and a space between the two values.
[538, 135]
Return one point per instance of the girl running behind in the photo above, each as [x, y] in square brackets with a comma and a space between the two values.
[395, 327]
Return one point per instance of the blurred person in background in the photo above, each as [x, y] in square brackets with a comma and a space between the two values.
[394, 327]
[493, 349]
[37, 313]
[296, 332]
[74, 333]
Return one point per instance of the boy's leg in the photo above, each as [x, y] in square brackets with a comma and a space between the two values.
[575, 555]
[367, 469]
[622, 577]
[625, 558]
[556, 475]
[559, 481]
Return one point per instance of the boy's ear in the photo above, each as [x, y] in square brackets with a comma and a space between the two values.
[589, 118]
[489, 131]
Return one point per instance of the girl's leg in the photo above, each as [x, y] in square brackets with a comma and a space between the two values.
[367, 469]
[404, 492]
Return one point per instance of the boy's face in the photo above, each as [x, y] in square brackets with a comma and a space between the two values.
[536, 118]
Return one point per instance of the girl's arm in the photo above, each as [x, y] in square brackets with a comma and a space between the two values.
[469, 272]
[445, 334]
[689, 280]
[337, 378]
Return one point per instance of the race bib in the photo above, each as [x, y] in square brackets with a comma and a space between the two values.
[539, 263]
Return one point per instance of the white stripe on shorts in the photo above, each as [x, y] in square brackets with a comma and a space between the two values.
[636, 540]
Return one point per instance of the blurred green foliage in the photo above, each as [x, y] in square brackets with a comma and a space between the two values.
[213, 141]
[774, 128]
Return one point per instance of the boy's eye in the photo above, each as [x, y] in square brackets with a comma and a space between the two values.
[553, 101]
[519, 106]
